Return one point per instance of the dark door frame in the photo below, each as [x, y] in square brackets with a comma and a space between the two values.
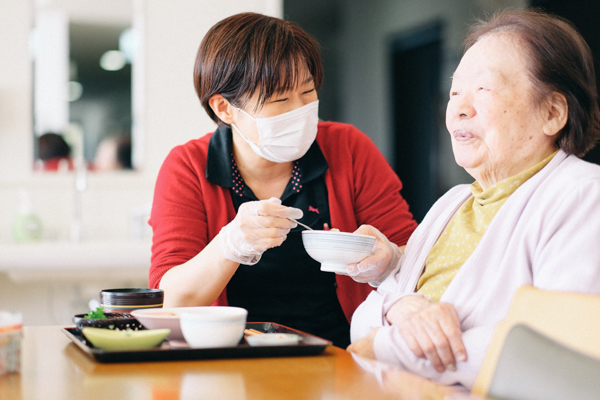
[416, 63]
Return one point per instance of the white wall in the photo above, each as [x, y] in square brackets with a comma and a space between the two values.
[171, 115]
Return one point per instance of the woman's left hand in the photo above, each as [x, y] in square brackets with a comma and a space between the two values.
[364, 347]
[377, 266]
[430, 329]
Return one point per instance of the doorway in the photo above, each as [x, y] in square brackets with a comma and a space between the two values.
[416, 58]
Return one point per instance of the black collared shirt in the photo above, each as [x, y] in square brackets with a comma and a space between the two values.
[286, 286]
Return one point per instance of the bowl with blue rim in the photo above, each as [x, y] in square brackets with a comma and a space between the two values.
[335, 249]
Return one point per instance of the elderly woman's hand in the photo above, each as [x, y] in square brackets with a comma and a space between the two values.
[376, 267]
[430, 329]
[364, 347]
[258, 226]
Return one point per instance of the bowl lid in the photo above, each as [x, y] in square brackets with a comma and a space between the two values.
[133, 292]
[132, 297]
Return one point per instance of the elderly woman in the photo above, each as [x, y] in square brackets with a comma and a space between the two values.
[222, 202]
[522, 109]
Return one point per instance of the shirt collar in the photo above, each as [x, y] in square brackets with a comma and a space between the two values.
[220, 167]
[508, 186]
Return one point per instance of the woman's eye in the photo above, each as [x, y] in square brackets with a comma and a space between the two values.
[452, 94]
[279, 100]
[482, 88]
[309, 91]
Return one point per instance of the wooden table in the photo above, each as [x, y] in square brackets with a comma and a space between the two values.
[54, 368]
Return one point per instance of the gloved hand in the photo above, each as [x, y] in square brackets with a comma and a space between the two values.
[258, 226]
[377, 266]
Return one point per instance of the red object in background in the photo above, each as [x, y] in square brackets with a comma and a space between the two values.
[56, 164]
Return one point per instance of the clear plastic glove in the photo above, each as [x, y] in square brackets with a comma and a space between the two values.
[258, 226]
[376, 267]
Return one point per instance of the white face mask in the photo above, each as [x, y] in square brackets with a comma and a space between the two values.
[285, 137]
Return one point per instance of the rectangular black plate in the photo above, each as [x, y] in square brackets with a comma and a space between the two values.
[310, 345]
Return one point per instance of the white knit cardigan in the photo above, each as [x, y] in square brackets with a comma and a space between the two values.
[547, 234]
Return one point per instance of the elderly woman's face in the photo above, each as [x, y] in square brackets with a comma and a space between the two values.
[496, 128]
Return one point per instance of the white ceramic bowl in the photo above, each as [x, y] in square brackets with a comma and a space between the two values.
[162, 318]
[213, 326]
[335, 250]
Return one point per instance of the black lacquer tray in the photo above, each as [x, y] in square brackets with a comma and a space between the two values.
[310, 345]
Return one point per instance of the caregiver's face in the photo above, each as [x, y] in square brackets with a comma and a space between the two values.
[495, 126]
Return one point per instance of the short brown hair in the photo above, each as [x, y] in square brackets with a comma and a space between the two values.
[249, 52]
[559, 61]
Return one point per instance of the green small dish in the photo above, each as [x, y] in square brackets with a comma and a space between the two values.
[108, 339]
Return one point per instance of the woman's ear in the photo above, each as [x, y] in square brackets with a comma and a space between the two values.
[221, 107]
[557, 114]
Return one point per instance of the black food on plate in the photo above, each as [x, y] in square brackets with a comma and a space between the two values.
[117, 321]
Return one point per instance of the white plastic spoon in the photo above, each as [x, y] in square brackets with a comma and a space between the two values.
[301, 224]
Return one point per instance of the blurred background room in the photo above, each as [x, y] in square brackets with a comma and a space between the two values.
[111, 82]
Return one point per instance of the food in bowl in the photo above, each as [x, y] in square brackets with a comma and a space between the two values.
[117, 321]
[98, 313]
[213, 326]
[273, 339]
[335, 250]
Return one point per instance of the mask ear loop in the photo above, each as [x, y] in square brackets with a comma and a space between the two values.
[245, 113]
[238, 129]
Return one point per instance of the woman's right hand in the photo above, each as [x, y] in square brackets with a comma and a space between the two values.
[258, 226]
[430, 329]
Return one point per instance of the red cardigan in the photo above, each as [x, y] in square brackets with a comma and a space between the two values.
[188, 211]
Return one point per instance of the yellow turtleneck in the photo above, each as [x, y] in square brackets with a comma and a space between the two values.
[464, 231]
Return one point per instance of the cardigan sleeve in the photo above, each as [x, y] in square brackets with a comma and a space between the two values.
[178, 217]
[391, 348]
[371, 313]
[567, 255]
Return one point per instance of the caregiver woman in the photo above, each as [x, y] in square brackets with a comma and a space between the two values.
[522, 109]
[221, 202]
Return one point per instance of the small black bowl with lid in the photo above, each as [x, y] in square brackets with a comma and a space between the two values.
[127, 299]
